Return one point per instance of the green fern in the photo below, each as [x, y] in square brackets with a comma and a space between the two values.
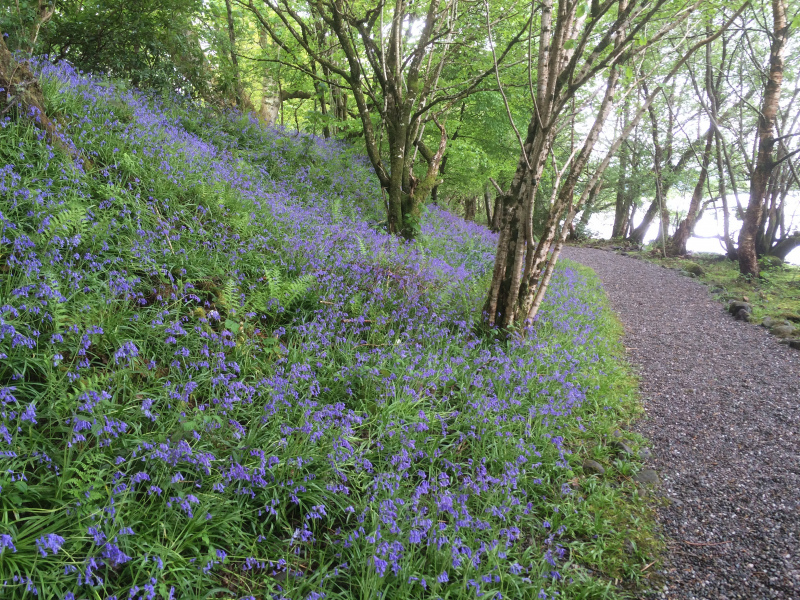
[229, 297]
[362, 249]
[274, 280]
[287, 292]
[294, 290]
[58, 310]
[356, 305]
[70, 221]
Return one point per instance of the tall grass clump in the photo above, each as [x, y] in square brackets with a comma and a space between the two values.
[220, 378]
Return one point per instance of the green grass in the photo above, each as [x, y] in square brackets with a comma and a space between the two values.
[774, 293]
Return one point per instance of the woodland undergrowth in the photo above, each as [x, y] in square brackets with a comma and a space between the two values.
[220, 378]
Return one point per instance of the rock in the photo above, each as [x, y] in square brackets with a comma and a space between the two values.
[645, 453]
[717, 290]
[766, 263]
[743, 315]
[794, 344]
[694, 269]
[621, 448]
[767, 322]
[617, 434]
[782, 331]
[592, 467]
[647, 476]
[735, 306]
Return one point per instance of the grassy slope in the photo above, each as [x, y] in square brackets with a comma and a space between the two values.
[220, 379]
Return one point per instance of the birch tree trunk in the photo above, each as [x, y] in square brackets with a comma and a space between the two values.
[270, 89]
[748, 260]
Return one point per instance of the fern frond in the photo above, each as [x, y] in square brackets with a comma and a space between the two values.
[230, 296]
[274, 280]
[294, 290]
[69, 221]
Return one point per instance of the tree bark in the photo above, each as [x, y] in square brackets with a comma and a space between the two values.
[659, 204]
[497, 213]
[748, 261]
[785, 246]
[239, 87]
[621, 208]
[469, 208]
[270, 89]
[683, 232]
[487, 204]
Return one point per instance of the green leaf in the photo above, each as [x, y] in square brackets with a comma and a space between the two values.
[628, 72]
[581, 11]
[21, 486]
[569, 44]
[231, 325]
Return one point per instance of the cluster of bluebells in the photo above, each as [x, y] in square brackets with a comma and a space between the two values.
[362, 416]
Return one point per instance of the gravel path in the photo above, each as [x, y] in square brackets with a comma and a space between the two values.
[722, 401]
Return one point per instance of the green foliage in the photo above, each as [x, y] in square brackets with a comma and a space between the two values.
[151, 43]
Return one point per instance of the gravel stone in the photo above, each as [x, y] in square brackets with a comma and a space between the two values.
[620, 448]
[721, 403]
[783, 331]
[648, 476]
[592, 467]
[735, 306]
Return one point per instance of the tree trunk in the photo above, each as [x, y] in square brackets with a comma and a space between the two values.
[683, 232]
[785, 246]
[659, 204]
[748, 262]
[487, 204]
[497, 213]
[583, 223]
[469, 208]
[621, 208]
[270, 89]
[239, 88]
[730, 248]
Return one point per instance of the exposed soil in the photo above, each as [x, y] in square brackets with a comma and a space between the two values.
[722, 402]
